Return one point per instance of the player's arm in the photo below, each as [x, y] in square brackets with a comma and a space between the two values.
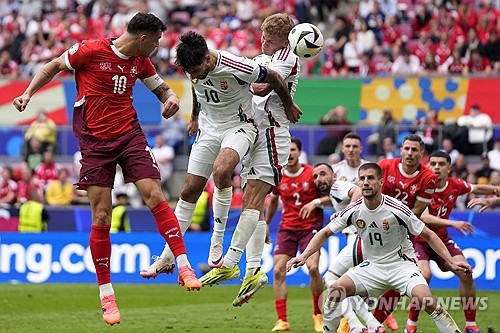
[292, 110]
[355, 193]
[485, 202]
[261, 89]
[314, 245]
[434, 221]
[41, 78]
[309, 207]
[169, 98]
[419, 207]
[438, 246]
[485, 189]
[195, 112]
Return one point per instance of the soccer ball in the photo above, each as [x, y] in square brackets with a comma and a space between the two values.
[306, 40]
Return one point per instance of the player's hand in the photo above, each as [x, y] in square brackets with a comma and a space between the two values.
[269, 240]
[293, 113]
[295, 262]
[461, 266]
[21, 102]
[306, 210]
[464, 227]
[170, 107]
[486, 203]
[193, 125]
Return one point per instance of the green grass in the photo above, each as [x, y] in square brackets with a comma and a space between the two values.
[167, 308]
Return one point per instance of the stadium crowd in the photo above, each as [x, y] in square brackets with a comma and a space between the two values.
[384, 37]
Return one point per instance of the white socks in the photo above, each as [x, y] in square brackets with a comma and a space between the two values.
[244, 231]
[105, 290]
[184, 212]
[443, 321]
[255, 247]
[221, 204]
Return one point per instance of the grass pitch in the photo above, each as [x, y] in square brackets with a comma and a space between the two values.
[168, 308]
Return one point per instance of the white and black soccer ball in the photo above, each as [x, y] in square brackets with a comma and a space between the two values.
[306, 40]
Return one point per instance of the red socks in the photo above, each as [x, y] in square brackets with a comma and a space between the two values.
[469, 306]
[386, 305]
[100, 248]
[414, 311]
[317, 309]
[281, 308]
[168, 226]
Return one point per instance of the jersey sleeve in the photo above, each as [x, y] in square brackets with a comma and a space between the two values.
[463, 186]
[284, 62]
[338, 223]
[427, 188]
[415, 225]
[244, 69]
[340, 191]
[148, 70]
[78, 55]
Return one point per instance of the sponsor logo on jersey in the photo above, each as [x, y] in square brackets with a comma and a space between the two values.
[105, 66]
[223, 84]
[208, 83]
[373, 225]
[73, 49]
[385, 224]
[361, 224]
[121, 67]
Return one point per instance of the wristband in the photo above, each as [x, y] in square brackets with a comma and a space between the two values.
[317, 203]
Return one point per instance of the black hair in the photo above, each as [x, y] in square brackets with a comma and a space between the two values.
[373, 166]
[441, 153]
[297, 142]
[148, 23]
[328, 166]
[191, 51]
[352, 135]
[415, 138]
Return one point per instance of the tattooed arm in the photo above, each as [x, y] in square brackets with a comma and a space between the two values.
[169, 99]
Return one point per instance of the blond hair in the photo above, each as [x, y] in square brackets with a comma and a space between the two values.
[278, 25]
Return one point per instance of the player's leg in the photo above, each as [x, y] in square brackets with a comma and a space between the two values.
[335, 294]
[168, 226]
[414, 311]
[316, 286]
[100, 249]
[280, 290]
[235, 144]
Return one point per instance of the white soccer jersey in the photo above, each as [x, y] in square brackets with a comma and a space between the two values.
[346, 172]
[384, 230]
[339, 194]
[269, 110]
[224, 95]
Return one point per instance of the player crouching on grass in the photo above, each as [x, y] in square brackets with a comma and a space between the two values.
[383, 223]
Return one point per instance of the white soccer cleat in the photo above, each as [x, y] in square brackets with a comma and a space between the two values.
[215, 259]
[159, 266]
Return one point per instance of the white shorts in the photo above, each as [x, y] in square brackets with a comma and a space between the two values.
[207, 146]
[374, 279]
[267, 157]
[351, 255]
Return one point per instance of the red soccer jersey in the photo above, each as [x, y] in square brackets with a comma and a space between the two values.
[404, 187]
[104, 81]
[295, 191]
[443, 201]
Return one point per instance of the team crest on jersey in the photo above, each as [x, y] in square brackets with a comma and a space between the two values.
[305, 185]
[223, 84]
[105, 66]
[344, 178]
[391, 179]
[413, 188]
[73, 49]
[385, 225]
[133, 71]
[361, 224]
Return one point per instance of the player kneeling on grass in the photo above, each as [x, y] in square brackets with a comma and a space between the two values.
[383, 224]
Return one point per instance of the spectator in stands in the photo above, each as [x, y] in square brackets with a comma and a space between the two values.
[174, 131]
[44, 129]
[387, 128]
[427, 129]
[454, 65]
[27, 185]
[47, 170]
[388, 7]
[338, 67]
[342, 30]
[406, 64]
[9, 69]
[429, 65]
[375, 21]
[485, 170]
[466, 15]
[366, 39]
[33, 216]
[450, 150]
[460, 169]
[384, 66]
[421, 19]
[352, 53]
[479, 130]
[8, 187]
[164, 155]
[60, 192]
[492, 50]
[389, 149]
[494, 155]
[33, 153]
[338, 117]
[477, 64]
[119, 218]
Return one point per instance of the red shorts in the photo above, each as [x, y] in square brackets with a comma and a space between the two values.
[100, 157]
[288, 241]
[425, 252]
